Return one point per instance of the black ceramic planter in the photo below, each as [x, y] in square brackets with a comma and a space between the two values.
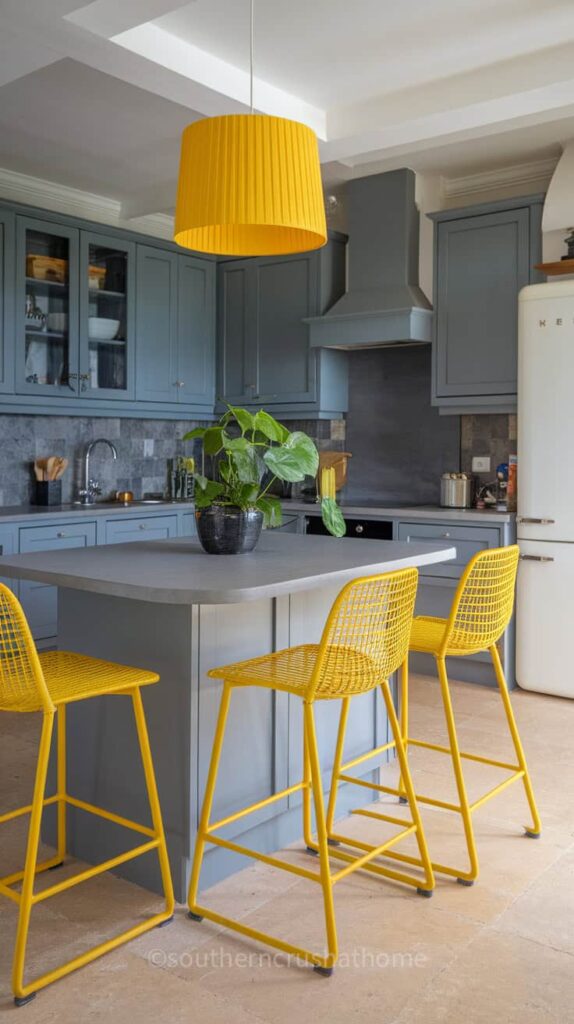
[223, 530]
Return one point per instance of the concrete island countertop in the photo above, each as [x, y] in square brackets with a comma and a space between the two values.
[179, 571]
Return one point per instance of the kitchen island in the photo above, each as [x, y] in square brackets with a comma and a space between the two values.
[167, 606]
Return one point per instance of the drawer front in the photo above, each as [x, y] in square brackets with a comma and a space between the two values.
[123, 531]
[467, 540]
[188, 527]
[39, 600]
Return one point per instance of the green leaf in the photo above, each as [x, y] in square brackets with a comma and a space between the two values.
[333, 517]
[269, 427]
[196, 432]
[213, 440]
[246, 465]
[235, 444]
[206, 490]
[271, 508]
[247, 496]
[295, 459]
[243, 417]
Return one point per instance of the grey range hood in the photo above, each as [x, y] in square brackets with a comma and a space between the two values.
[383, 304]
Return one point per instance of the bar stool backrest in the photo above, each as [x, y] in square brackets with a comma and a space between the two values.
[22, 684]
[366, 636]
[483, 603]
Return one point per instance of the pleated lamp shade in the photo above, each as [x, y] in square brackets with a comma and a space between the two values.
[249, 185]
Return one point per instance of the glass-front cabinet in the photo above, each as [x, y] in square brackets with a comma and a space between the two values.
[107, 305]
[47, 308]
[75, 312]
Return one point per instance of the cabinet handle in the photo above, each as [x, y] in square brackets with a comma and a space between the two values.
[180, 383]
[142, 526]
[61, 534]
[536, 558]
[446, 535]
[540, 522]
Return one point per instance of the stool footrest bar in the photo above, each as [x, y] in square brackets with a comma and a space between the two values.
[98, 869]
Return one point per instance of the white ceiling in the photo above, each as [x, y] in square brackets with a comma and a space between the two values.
[94, 95]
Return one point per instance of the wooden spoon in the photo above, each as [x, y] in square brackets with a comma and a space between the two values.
[41, 466]
[51, 462]
[38, 471]
[61, 468]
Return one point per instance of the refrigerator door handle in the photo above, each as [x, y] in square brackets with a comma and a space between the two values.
[544, 522]
[536, 558]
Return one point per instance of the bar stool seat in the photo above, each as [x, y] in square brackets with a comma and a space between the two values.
[427, 633]
[71, 676]
[292, 670]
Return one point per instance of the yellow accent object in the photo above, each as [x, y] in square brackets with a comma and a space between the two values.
[47, 683]
[480, 612]
[249, 185]
[364, 641]
[327, 485]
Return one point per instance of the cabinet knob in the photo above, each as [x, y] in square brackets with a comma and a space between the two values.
[359, 529]
[446, 535]
[180, 383]
[61, 534]
[142, 526]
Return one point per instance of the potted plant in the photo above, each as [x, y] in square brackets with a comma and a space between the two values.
[248, 452]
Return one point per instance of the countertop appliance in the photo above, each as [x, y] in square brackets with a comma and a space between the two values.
[456, 490]
[545, 520]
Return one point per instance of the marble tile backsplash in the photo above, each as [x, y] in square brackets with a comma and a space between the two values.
[25, 438]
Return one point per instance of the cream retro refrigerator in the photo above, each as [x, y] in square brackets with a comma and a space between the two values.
[545, 521]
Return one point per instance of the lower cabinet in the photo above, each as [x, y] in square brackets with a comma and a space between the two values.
[123, 531]
[8, 547]
[40, 601]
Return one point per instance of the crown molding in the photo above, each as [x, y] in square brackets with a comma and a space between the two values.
[23, 188]
[502, 177]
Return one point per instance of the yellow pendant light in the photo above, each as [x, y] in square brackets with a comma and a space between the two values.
[249, 185]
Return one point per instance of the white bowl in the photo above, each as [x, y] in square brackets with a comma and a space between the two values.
[102, 329]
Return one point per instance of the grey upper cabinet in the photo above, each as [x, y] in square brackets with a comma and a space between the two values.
[264, 356]
[175, 329]
[483, 257]
[6, 300]
[156, 325]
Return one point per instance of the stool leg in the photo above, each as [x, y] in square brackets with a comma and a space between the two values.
[310, 843]
[404, 719]
[428, 885]
[208, 800]
[21, 993]
[153, 799]
[325, 872]
[345, 705]
[61, 782]
[464, 877]
[535, 829]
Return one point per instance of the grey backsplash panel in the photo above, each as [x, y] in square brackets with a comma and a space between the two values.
[25, 438]
[400, 444]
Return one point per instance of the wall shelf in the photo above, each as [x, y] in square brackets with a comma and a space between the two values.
[556, 268]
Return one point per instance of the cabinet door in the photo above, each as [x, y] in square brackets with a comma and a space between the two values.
[124, 531]
[482, 264]
[7, 547]
[40, 600]
[237, 331]
[46, 308]
[156, 325]
[196, 332]
[6, 300]
[107, 309]
[468, 540]
[287, 291]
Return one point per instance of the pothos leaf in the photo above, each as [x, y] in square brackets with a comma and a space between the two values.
[333, 517]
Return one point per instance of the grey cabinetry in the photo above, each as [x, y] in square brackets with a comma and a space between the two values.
[263, 338]
[122, 531]
[175, 329]
[39, 600]
[8, 547]
[6, 300]
[483, 257]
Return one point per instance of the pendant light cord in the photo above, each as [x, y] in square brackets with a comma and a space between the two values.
[251, 60]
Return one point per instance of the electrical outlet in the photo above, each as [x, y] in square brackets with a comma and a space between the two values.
[481, 464]
[148, 447]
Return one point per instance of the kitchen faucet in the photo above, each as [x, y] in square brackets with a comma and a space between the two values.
[91, 487]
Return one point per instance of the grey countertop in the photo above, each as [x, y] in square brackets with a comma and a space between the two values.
[461, 515]
[179, 572]
[15, 513]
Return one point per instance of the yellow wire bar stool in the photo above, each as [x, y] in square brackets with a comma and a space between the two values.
[364, 641]
[480, 612]
[46, 683]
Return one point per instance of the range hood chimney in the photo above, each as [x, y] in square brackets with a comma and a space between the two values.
[383, 304]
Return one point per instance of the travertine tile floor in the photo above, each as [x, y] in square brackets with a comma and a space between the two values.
[502, 950]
